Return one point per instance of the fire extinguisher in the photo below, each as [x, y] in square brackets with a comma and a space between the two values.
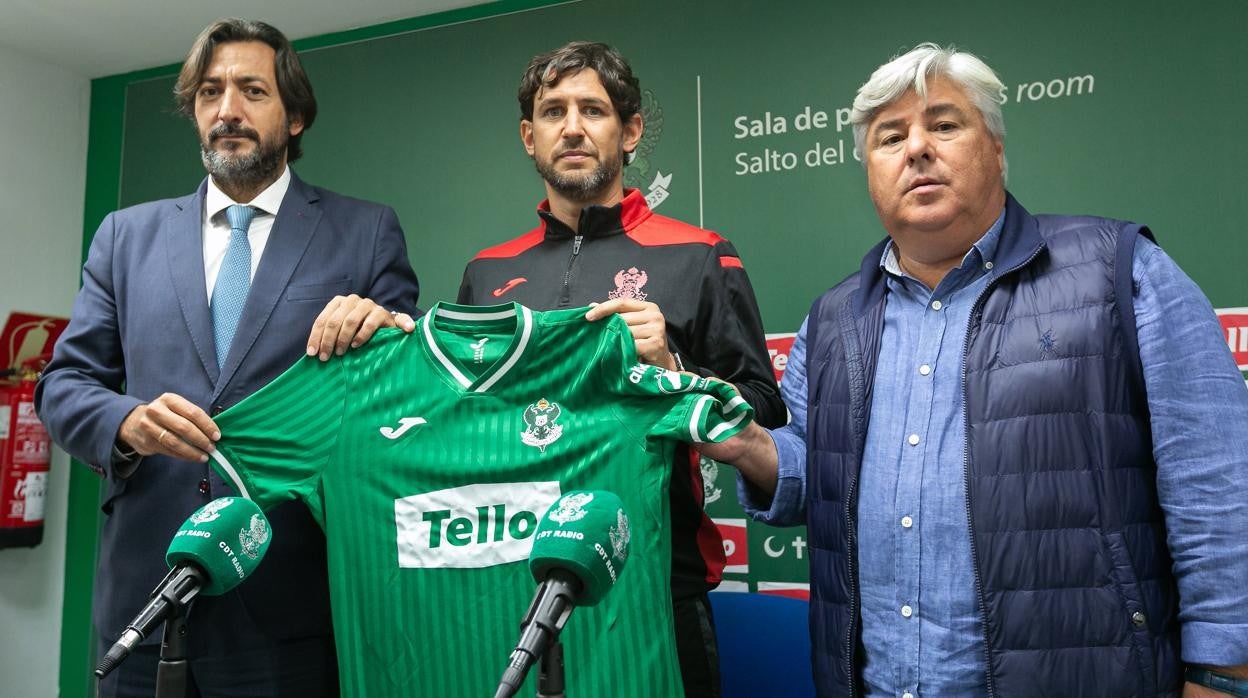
[25, 454]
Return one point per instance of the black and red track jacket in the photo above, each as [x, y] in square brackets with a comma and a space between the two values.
[713, 324]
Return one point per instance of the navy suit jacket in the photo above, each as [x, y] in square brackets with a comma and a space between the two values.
[141, 327]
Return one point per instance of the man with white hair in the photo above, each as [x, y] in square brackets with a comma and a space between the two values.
[1019, 442]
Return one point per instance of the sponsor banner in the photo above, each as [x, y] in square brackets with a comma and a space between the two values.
[472, 526]
[1235, 329]
[736, 547]
[778, 347]
[790, 590]
[779, 554]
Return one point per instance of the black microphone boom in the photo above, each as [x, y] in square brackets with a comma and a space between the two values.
[182, 584]
[213, 551]
[552, 604]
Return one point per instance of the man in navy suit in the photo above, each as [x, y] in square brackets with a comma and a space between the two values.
[151, 354]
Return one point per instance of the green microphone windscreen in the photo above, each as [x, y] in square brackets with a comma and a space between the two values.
[226, 539]
[585, 533]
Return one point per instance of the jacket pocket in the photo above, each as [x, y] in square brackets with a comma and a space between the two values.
[322, 291]
[1122, 572]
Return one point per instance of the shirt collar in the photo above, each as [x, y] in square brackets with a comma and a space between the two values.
[600, 221]
[985, 248]
[267, 201]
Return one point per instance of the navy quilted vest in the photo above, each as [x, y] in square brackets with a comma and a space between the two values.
[1073, 575]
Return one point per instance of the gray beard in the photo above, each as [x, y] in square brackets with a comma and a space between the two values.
[243, 171]
[578, 186]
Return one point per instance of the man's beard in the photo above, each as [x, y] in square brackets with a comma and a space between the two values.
[231, 170]
[580, 185]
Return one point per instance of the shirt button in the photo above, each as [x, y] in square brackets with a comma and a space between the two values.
[203, 486]
[1138, 619]
[906, 522]
[907, 694]
[906, 611]
[937, 305]
[925, 370]
[988, 265]
[913, 440]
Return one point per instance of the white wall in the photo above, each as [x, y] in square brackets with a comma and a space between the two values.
[43, 149]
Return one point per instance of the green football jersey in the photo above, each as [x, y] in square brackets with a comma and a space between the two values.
[428, 458]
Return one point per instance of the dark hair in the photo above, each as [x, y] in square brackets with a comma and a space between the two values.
[547, 69]
[292, 83]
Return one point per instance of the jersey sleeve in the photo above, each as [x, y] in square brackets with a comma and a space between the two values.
[276, 443]
[667, 404]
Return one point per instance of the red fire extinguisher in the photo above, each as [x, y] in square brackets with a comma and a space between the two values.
[25, 454]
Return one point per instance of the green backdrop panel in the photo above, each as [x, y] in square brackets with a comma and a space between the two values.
[1123, 108]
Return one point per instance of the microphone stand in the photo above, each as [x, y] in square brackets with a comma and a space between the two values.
[550, 676]
[174, 668]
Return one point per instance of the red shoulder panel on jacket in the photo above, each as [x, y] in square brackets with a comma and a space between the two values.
[516, 246]
[661, 230]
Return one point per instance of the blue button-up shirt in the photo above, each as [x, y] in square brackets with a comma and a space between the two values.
[914, 543]
[921, 628]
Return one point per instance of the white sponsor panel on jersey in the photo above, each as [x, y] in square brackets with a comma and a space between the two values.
[472, 526]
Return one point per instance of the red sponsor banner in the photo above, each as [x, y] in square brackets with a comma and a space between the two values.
[736, 550]
[1235, 328]
[778, 347]
[27, 336]
[792, 590]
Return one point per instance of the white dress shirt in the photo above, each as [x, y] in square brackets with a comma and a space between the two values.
[217, 226]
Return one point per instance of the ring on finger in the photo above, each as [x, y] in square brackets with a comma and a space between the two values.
[161, 439]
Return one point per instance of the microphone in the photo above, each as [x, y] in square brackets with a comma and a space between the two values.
[218, 547]
[579, 551]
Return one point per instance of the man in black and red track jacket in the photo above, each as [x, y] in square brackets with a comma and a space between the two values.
[682, 290]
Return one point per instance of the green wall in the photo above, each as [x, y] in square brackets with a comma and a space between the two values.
[1121, 108]
[427, 122]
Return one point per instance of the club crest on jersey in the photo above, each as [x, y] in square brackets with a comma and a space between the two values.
[628, 283]
[542, 429]
[571, 508]
[210, 511]
[710, 471]
[619, 535]
[254, 536]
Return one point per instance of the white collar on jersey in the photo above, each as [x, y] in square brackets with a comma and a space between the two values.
[487, 313]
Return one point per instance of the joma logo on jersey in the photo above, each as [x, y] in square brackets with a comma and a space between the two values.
[471, 526]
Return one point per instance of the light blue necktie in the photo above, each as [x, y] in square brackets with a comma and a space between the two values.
[233, 281]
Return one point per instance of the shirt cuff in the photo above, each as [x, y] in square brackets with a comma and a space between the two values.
[1215, 644]
[125, 462]
[787, 507]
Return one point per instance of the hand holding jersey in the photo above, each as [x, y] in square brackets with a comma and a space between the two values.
[647, 325]
[428, 458]
[350, 321]
[173, 426]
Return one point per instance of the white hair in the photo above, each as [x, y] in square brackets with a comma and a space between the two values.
[911, 71]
